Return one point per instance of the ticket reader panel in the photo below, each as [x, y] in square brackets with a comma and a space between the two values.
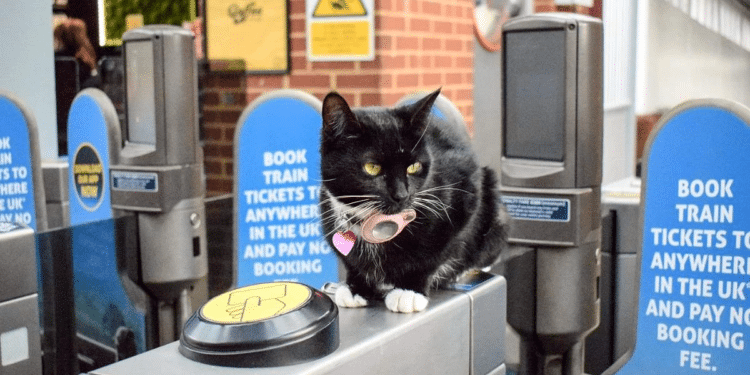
[550, 177]
[159, 174]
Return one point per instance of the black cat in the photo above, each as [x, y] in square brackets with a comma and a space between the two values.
[390, 161]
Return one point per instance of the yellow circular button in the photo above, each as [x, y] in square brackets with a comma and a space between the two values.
[256, 302]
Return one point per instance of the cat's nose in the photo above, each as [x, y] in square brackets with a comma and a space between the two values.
[400, 195]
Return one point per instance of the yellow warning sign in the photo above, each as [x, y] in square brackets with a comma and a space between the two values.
[256, 302]
[339, 8]
[340, 39]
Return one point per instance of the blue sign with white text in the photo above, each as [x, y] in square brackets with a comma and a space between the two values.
[88, 155]
[16, 181]
[278, 233]
[694, 298]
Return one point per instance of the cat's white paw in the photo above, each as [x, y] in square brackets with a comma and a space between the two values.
[344, 297]
[405, 301]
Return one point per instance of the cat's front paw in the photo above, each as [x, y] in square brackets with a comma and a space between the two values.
[344, 297]
[405, 301]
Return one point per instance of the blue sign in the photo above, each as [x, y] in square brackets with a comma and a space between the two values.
[92, 127]
[103, 307]
[16, 173]
[277, 177]
[694, 299]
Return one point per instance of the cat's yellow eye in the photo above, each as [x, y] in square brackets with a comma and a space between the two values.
[372, 169]
[414, 168]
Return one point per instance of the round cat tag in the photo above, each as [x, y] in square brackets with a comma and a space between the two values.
[262, 325]
[380, 228]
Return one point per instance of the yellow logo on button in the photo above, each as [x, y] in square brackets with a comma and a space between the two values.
[256, 302]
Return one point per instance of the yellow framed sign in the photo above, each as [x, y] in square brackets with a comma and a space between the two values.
[249, 35]
[340, 30]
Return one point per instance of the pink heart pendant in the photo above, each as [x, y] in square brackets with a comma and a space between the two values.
[343, 242]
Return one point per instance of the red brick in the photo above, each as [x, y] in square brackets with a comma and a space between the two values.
[217, 186]
[396, 23]
[358, 81]
[454, 45]
[386, 81]
[383, 43]
[370, 99]
[213, 167]
[407, 80]
[299, 63]
[413, 6]
[432, 79]
[413, 61]
[371, 65]
[432, 7]
[229, 133]
[211, 98]
[469, 45]
[416, 24]
[297, 26]
[443, 27]
[296, 6]
[211, 133]
[539, 8]
[464, 62]
[443, 62]
[464, 29]
[454, 78]
[394, 62]
[310, 81]
[431, 44]
[251, 96]
[211, 149]
[464, 94]
[299, 44]
[333, 65]
[407, 43]
[263, 81]
[210, 116]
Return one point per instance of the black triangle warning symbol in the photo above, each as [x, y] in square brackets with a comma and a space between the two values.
[339, 8]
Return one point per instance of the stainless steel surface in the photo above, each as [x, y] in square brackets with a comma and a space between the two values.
[377, 341]
[17, 263]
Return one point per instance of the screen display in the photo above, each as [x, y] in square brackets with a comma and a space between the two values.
[141, 95]
[534, 89]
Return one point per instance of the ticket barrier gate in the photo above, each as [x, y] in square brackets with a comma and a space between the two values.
[20, 345]
[461, 332]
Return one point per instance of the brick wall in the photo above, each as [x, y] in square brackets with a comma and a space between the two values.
[420, 45]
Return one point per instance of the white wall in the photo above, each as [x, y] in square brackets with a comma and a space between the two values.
[27, 66]
[682, 58]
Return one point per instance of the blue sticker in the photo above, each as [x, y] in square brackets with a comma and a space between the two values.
[88, 156]
[16, 183]
[278, 183]
[135, 181]
[694, 299]
[537, 209]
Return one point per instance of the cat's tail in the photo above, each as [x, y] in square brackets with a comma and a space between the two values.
[496, 219]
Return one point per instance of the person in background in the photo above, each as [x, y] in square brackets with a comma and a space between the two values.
[71, 40]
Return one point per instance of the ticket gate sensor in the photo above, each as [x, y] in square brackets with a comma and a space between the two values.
[160, 172]
[551, 175]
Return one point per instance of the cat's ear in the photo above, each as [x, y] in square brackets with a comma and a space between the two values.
[337, 115]
[420, 110]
